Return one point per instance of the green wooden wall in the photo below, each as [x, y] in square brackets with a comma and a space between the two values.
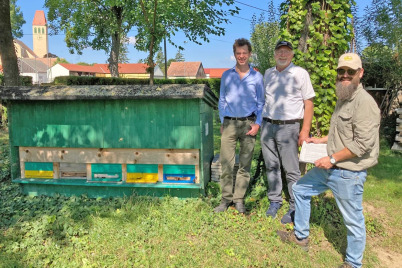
[170, 123]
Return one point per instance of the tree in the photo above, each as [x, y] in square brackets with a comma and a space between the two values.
[320, 32]
[381, 28]
[7, 51]
[179, 56]
[163, 18]
[101, 25]
[60, 60]
[264, 36]
[17, 19]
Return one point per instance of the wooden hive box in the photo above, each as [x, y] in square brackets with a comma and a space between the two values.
[111, 140]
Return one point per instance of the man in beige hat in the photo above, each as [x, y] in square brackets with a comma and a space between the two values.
[352, 147]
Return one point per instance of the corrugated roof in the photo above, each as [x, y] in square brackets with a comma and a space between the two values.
[31, 66]
[25, 47]
[39, 18]
[215, 72]
[184, 69]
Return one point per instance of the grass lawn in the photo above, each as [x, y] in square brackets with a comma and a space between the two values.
[170, 232]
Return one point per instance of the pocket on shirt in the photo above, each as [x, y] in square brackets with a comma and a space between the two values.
[345, 124]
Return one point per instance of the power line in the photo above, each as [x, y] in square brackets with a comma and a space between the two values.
[241, 18]
[264, 10]
[251, 6]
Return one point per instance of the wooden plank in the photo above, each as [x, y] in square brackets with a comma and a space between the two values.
[197, 174]
[124, 156]
[89, 172]
[124, 172]
[160, 173]
[22, 167]
[56, 170]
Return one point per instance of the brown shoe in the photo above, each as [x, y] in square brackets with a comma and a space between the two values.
[223, 206]
[346, 265]
[290, 237]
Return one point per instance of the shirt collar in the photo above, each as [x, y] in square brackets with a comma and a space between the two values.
[251, 69]
[288, 69]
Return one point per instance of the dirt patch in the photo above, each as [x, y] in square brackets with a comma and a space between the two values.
[389, 259]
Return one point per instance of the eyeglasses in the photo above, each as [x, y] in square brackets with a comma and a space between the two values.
[350, 72]
[283, 52]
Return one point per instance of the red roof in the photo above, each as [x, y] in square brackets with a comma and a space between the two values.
[125, 68]
[215, 72]
[80, 68]
[1, 69]
[184, 69]
[39, 18]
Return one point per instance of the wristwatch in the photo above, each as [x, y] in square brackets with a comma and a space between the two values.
[332, 160]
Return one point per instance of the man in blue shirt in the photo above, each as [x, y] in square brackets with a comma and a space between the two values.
[240, 107]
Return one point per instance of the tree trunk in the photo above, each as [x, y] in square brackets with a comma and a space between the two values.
[115, 50]
[305, 33]
[7, 50]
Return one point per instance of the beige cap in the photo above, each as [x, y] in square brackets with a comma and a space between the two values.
[351, 60]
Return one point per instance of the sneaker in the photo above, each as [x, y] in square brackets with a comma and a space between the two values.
[273, 209]
[240, 207]
[290, 237]
[346, 265]
[223, 206]
[288, 217]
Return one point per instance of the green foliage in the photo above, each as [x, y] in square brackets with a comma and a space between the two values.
[264, 36]
[179, 56]
[60, 60]
[320, 32]
[381, 28]
[17, 19]
[160, 19]
[4, 156]
[24, 80]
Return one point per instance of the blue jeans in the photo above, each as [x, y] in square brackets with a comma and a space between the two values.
[347, 187]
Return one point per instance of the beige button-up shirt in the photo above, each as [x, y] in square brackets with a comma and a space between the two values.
[355, 125]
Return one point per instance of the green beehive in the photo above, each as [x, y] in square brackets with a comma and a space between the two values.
[112, 140]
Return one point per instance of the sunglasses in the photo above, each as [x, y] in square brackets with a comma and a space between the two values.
[350, 72]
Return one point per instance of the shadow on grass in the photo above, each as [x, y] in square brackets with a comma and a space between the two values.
[325, 213]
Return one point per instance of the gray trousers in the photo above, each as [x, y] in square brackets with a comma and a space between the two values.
[235, 131]
[279, 148]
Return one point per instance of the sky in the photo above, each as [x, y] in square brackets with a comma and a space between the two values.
[215, 54]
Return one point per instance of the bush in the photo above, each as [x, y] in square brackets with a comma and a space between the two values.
[25, 80]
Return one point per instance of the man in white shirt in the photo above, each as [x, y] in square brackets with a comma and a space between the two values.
[289, 98]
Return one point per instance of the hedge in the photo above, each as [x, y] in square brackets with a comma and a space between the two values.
[25, 80]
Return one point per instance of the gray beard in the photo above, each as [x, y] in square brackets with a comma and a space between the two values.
[345, 92]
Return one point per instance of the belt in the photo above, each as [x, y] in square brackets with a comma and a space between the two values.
[339, 168]
[281, 122]
[251, 118]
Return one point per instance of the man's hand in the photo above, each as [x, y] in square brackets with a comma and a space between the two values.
[254, 130]
[221, 129]
[317, 140]
[323, 163]
[303, 136]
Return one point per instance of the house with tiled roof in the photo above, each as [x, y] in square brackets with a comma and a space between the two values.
[129, 70]
[126, 70]
[214, 72]
[189, 70]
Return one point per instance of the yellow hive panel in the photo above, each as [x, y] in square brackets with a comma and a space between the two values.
[142, 177]
[40, 174]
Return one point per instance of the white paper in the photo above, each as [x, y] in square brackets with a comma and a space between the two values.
[310, 152]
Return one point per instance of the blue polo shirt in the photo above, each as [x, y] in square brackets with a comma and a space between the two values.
[241, 97]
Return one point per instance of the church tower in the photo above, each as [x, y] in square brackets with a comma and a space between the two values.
[40, 38]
